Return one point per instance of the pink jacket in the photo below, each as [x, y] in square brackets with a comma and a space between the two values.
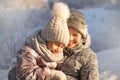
[31, 66]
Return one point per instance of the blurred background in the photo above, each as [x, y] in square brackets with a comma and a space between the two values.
[19, 18]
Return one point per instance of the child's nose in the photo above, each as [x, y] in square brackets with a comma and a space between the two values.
[59, 49]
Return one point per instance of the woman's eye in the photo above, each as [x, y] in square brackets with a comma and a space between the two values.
[75, 35]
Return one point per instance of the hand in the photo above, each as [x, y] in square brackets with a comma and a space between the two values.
[59, 64]
[46, 71]
[52, 65]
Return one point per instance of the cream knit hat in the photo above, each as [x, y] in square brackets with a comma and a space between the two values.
[56, 29]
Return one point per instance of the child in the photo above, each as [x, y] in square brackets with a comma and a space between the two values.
[37, 59]
[80, 62]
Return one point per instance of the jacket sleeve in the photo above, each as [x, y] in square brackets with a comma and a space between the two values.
[89, 70]
[27, 66]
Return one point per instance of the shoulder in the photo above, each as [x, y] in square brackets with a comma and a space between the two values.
[86, 54]
[88, 51]
[26, 50]
[89, 55]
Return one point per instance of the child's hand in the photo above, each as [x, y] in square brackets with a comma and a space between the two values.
[60, 62]
[52, 65]
[46, 71]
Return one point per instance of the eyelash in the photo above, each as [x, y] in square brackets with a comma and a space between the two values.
[75, 35]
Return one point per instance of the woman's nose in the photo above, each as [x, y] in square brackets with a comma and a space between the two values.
[71, 37]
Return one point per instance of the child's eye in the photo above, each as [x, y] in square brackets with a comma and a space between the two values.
[60, 45]
[57, 44]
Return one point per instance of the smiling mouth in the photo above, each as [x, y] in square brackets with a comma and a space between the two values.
[70, 43]
[55, 52]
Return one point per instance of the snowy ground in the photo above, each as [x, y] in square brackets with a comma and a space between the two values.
[103, 27]
[109, 64]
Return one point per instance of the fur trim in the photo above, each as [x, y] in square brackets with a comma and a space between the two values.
[61, 9]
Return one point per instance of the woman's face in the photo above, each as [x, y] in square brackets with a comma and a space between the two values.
[55, 47]
[75, 38]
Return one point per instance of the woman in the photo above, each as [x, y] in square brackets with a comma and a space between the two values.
[80, 61]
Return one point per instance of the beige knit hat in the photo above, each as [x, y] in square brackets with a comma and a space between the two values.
[56, 29]
[77, 21]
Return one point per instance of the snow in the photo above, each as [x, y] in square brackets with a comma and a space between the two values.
[103, 24]
[15, 26]
[109, 64]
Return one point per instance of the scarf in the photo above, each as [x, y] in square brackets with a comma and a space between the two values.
[39, 45]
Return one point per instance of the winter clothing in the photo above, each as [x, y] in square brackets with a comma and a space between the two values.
[80, 62]
[37, 43]
[34, 60]
[31, 64]
[56, 29]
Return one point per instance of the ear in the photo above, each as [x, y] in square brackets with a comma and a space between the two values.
[84, 40]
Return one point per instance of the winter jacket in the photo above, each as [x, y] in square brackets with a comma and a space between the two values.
[27, 66]
[32, 64]
[80, 63]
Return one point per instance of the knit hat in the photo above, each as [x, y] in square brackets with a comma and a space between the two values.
[77, 21]
[56, 29]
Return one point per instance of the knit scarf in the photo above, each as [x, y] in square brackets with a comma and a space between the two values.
[39, 45]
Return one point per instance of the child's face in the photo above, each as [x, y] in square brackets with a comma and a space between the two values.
[55, 47]
[75, 38]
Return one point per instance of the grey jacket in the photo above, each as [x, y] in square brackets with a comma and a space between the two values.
[80, 63]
